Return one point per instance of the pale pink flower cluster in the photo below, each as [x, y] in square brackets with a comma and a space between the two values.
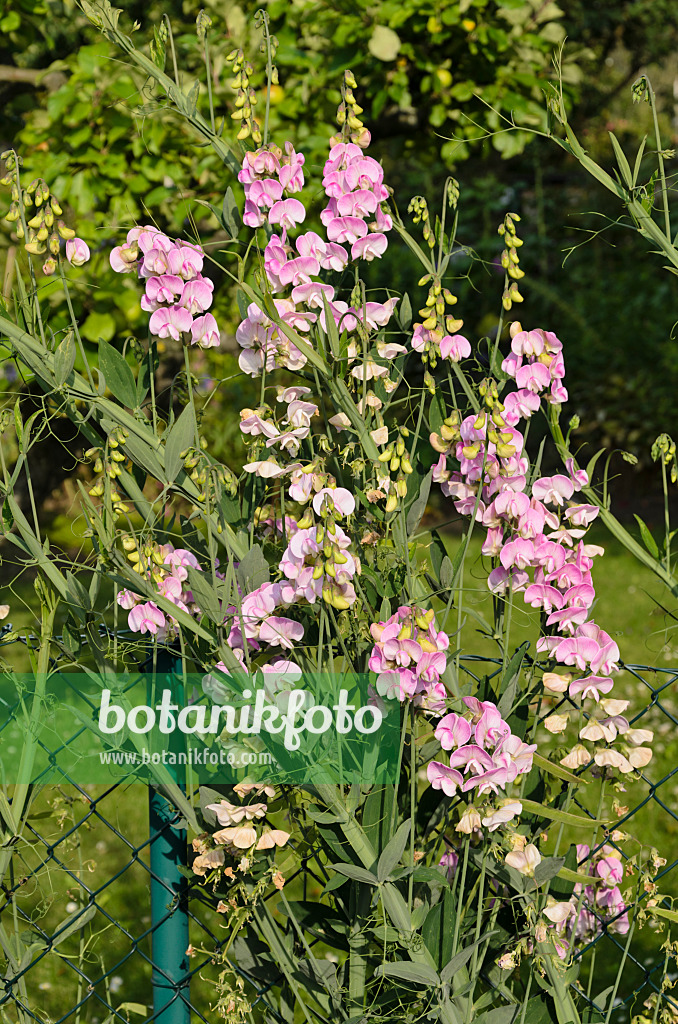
[169, 573]
[177, 295]
[592, 909]
[540, 531]
[484, 754]
[454, 347]
[409, 658]
[267, 175]
[354, 185]
[296, 424]
[306, 570]
[536, 363]
[255, 622]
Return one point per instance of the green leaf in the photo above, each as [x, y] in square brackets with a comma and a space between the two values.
[648, 539]
[204, 595]
[384, 43]
[395, 907]
[436, 553]
[119, 376]
[64, 360]
[553, 814]
[98, 325]
[458, 961]
[553, 768]
[621, 161]
[394, 851]
[498, 1015]
[447, 573]
[73, 923]
[547, 869]
[438, 928]
[418, 507]
[253, 570]
[405, 970]
[509, 682]
[404, 313]
[181, 437]
[231, 218]
[356, 873]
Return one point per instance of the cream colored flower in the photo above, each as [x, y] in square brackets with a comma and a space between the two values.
[244, 789]
[557, 912]
[556, 723]
[4, 611]
[241, 837]
[340, 421]
[273, 837]
[640, 756]
[208, 862]
[379, 435]
[610, 758]
[577, 757]
[278, 879]
[232, 814]
[556, 683]
[469, 821]
[612, 706]
[639, 736]
[508, 810]
[524, 861]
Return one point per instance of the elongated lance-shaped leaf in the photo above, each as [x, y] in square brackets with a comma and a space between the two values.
[105, 17]
[142, 446]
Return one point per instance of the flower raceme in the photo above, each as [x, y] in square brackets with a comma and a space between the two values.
[484, 755]
[536, 530]
[354, 216]
[176, 294]
[409, 658]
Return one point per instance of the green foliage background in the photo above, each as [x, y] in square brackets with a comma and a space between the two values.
[440, 83]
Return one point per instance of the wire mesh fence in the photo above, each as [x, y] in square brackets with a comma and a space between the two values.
[99, 921]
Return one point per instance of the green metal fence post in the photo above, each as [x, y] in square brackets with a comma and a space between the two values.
[169, 906]
[170, 926]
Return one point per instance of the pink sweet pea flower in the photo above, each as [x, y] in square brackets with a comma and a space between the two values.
[357, 204]
[579, 477]
[298, 271]
[123, 258]
[165, 289]
[205, 332]
[581, 515]
[528, 343]
[252, 216]
[77, 252]
[444, 778]
[455, 347]
[287, 213]
[170, 322]
[553, 490]
[453, 731]
[279, 631]
[127, 600]
[591, 686]
[197, 295]
[342, 500]
[534, 376]
[369, 248]
[186, 261]
[346, 229]
[146, 618]
[265, 193]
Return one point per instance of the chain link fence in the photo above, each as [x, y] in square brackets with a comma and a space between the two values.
[96, 924]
